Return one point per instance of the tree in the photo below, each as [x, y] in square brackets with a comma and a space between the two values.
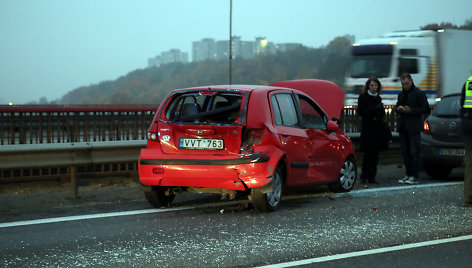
[443, 25]
[336, 60]
[447, 25]
[43, 101]
[150, 85]
[467, 25]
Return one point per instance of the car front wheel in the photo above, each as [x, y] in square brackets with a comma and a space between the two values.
[347, 177]
[159, 196]
[269, 201]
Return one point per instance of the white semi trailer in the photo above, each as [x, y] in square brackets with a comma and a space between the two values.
[439, 61]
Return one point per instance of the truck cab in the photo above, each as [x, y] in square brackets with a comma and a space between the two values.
[387, 57]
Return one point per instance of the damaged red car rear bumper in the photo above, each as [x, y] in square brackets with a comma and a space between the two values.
[235, 172]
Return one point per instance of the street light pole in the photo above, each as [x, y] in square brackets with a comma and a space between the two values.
[230, 39]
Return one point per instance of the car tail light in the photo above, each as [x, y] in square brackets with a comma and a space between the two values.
[426, 127]
[152, 133]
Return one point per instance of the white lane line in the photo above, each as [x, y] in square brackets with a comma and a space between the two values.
[367, 252]
[401, 188]
[355, 193]
[90, 216]
[376, 191]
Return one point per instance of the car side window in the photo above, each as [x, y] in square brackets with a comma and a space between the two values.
[283, 108]
[312, 117]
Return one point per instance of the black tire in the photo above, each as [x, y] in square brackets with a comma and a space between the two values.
[158, 197]
[269, 201]
[347, 177]
[437, 171]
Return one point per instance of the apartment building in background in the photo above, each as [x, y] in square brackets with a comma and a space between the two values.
[209, 49]
[173, 55]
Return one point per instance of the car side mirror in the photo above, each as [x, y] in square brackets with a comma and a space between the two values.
[336, 120]
[332, 126]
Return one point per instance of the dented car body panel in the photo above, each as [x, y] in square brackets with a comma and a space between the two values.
[226, 172]
[237, 137]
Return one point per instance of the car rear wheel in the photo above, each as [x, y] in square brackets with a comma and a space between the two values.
[269, 201]
[347, 177]
[437, 171]
[159, 196]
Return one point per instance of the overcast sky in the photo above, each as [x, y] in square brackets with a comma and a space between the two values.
[50, 47]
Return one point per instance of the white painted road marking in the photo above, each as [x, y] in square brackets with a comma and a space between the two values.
[357, 193]
[368, 252]
[88, 217]
[363, 192]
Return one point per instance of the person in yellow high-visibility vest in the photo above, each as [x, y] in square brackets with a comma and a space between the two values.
[466, 121]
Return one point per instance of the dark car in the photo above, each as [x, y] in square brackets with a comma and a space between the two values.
[245, 140]
[442, 148]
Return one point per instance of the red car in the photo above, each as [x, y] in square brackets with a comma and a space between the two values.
[248, 141]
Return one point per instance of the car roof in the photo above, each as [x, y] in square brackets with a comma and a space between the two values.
[246, 88]
[451, 95]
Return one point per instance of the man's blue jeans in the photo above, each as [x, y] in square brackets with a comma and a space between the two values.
[410, 143]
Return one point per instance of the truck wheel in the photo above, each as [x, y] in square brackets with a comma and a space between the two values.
[269, 201]
[347, 177]
[158, 197]
[437, 171]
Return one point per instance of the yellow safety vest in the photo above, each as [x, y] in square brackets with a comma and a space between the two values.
[468, 93]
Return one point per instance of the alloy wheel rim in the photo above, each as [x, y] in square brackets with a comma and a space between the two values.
[274, 197]
[348, 175]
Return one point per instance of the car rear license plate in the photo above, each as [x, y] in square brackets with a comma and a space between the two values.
[202, 144]
[452, 151]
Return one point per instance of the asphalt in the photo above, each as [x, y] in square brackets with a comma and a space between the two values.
[312, 222]
[23, 201]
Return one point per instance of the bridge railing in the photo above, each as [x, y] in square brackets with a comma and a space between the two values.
[65, 124]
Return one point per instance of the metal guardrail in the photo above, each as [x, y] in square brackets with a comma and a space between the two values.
[67, 154]
[70, 155]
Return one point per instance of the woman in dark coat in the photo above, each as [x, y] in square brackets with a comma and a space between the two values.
[371, 110]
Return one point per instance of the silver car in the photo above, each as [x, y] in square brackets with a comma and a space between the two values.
[442, 148]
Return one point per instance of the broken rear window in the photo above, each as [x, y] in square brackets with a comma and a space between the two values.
[205, 107]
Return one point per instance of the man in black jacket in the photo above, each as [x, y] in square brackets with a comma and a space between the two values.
[412, 108]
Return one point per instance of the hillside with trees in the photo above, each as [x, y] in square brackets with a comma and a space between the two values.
[447, 25]
[151, 85]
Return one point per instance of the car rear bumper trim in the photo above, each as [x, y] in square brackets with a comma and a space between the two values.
[234, 161]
